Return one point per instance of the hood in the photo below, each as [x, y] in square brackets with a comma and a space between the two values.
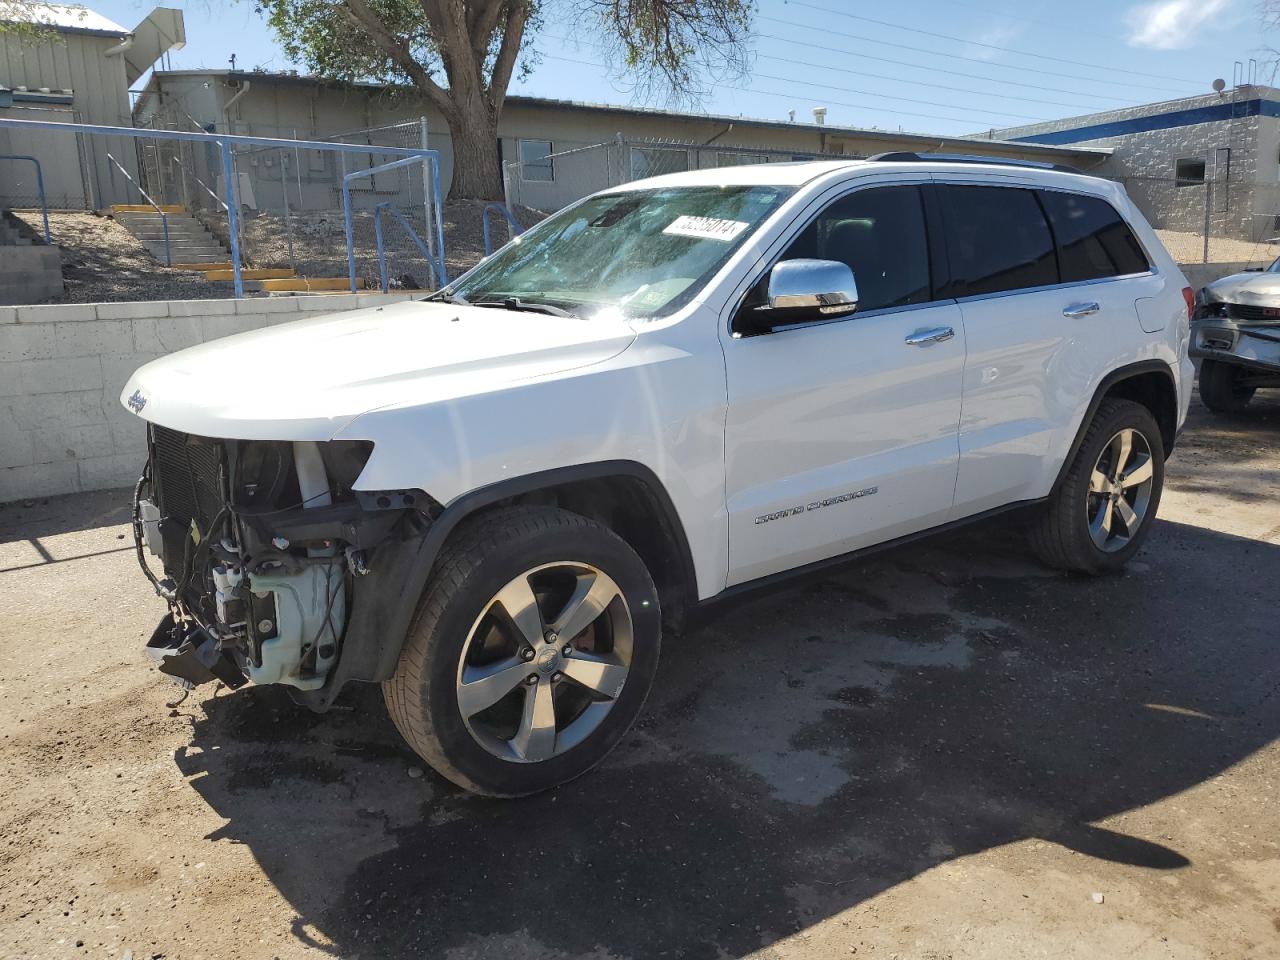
[1255, 288]
[306, 380]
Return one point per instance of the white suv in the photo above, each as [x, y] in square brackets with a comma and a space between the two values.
[494, 501]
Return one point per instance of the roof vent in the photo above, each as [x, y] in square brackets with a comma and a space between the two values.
[820, 115]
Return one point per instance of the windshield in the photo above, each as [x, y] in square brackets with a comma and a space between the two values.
[644, 252]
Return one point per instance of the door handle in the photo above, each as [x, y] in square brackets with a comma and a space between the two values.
[922, 338]
[1078, 310]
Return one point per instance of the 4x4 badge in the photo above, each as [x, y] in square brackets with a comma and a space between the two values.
[137, 401]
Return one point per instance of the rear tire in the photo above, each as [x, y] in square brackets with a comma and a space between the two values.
[1220, 388]
[531, 652]
[1103, 507]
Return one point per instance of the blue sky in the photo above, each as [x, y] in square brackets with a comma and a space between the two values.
[939, 66]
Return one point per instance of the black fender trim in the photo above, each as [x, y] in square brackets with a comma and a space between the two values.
[384, 601]
[1118, 375]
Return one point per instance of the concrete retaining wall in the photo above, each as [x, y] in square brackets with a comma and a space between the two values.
[62, 367]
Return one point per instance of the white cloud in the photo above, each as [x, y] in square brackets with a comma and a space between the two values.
[997, 35]
[1172, 24]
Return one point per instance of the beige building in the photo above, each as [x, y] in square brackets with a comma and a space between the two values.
[537, 131]
[75, 68]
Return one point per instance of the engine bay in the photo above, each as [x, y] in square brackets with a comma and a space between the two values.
[260, 543]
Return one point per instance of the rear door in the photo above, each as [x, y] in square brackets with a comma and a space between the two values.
[1035, 274]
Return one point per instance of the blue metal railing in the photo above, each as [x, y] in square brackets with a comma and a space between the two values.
[44, 205]
[430, 157]
[437, 267]
[225, 141]
[164, 217]
[501, 208]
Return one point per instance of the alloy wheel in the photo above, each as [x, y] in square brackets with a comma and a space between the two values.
[545, 662]
[1119, 490]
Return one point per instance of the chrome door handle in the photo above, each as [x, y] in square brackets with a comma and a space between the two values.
[922, 338]
[1078, 310]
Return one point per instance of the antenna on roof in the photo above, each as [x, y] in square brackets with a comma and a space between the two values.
[1219, 85]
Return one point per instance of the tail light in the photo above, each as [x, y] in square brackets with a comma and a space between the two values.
[1189, 296]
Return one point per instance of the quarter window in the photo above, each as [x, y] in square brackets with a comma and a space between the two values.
[535, 160]
[997, 239]
[1093, 239]
[880, 234]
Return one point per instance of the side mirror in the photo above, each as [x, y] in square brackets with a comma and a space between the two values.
[802, 290]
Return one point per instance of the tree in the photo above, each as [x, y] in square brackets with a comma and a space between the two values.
[462, 54]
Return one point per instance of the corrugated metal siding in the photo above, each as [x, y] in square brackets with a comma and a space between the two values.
[101, 96]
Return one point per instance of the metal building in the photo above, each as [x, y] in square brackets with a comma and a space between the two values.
[74, 65]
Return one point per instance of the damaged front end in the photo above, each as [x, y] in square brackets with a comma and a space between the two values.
[262, 544]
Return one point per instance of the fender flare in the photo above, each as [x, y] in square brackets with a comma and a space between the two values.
[1118, 375]
[384, 601]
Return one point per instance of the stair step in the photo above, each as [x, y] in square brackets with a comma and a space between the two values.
[269, 273]
[147, 208]
[310, 285]
[202, 266]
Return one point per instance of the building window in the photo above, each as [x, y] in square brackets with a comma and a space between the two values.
[655, 161]
[535, 160]
[727, 159]
[1188, 172]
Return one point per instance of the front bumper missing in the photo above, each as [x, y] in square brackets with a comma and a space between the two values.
[190, 656]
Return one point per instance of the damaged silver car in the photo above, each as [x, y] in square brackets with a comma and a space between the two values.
[1235, 336]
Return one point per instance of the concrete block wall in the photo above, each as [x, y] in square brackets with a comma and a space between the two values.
[29, 273]
[62, 367]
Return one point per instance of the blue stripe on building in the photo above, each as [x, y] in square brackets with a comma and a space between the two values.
[1158, 121]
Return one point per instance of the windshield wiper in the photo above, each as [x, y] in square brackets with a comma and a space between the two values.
[529, 306]
[442, 297]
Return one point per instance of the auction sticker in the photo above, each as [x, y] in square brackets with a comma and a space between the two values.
[705, 228]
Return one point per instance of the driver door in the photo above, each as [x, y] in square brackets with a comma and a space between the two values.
[844, 433]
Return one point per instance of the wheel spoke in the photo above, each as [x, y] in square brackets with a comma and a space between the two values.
[1127, 515]
[1139, 474]
[591, 597]
[1098, 482]
[1121, 447]
[1100, 528]
[482, 687]
[596, 673]
[536, 737]
[517, 599]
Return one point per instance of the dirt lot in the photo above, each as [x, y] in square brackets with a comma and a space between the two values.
[101, 260]
[945, 752]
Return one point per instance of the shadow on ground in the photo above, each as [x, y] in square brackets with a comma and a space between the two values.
[802, 753]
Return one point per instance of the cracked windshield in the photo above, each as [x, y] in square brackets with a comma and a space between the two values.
[644, 252]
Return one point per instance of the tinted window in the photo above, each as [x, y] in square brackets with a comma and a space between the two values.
[997, 239]
[880, 234]
[1093, 240]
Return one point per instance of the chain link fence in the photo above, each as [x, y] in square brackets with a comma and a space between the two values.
[291, 207]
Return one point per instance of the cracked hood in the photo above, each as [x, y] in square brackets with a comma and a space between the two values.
[1262, 289]
[308, 379]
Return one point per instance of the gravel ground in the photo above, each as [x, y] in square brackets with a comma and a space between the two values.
[101, 261]
[946, 752]
[1189, 248]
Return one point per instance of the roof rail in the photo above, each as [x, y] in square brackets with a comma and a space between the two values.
[910, 156]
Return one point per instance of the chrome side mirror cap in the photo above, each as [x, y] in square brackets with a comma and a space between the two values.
[825, 287]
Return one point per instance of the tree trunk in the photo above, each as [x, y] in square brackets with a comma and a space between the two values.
[477, 168]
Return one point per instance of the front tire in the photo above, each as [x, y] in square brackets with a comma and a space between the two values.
[1220, 387]
[1103, 508]
[531, 653]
